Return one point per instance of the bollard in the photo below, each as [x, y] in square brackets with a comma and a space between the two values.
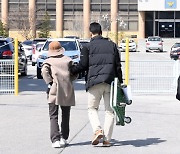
[127, 62]
[16, 86]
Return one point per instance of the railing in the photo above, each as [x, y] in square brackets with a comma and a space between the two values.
[153, 76]
[6, 76]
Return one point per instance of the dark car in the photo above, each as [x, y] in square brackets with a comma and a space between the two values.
[175, 54]
[6, 48]
[22, 61]
[74, 37]
[7, 53]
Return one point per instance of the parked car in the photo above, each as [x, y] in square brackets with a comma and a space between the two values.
[154, 43]
[75, 37]
[27, 47]
[6, 48]
[22, 61]
[35, 53]
[175, 46]
[132, 45]
[7, 52]
[83, 42]
[71, 46]
[35, 41]
[175, 54]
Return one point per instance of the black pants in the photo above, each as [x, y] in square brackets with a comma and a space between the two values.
[55, 134]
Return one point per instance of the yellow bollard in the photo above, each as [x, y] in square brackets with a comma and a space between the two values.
[127, 62]
[16, 66]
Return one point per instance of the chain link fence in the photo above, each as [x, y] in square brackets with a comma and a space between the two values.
[6, 77]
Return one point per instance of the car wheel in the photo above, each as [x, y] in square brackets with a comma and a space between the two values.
[147, 50]
[175, 58]
[161, 50]
[33, 63]
[24, 73]
[39, 76]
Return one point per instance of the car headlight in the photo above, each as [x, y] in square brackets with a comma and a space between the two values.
[42, 57]
[74, 56]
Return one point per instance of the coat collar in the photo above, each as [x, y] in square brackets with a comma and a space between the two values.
[55, 54]
[96, 37]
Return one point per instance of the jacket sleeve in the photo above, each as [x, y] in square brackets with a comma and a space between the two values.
[83, 63]
[118, 64]
[46, 73]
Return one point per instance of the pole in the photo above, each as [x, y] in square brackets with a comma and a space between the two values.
[127, 62]
[16, 66]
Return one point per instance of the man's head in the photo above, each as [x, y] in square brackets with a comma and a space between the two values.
[95, 28]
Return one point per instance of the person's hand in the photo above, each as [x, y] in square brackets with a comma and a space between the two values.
[48, 89]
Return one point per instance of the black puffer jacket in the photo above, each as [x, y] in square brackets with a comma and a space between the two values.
[100, 58]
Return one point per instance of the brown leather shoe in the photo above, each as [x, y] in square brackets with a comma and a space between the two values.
[98, 135]
[106, 144]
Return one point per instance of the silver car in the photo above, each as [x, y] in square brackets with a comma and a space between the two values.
[154, 43]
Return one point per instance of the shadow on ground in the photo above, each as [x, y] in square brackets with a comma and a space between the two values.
[30, 84]
[136, 143]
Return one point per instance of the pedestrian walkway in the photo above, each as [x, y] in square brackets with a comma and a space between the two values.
[24, 126]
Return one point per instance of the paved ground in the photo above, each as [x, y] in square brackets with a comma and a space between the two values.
[24, 124]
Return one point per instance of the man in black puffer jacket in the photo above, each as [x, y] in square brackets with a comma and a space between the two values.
[100, 59]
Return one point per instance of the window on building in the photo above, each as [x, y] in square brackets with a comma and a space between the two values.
[165, 15]
[100, 12]
[177, 15]
[43, 6]
[18, 18]
[73, 16]
[127, 15]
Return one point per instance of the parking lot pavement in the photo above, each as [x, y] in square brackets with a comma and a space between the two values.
[25, 125]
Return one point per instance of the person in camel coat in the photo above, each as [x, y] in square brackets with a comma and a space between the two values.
[55, 72]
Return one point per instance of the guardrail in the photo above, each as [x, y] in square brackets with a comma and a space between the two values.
[7, 76]
[9, 73]
[153, 76]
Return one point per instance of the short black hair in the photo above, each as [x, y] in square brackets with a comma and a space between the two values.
[95, 28]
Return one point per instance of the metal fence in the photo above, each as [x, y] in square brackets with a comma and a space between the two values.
[153, 76]
[6, 77]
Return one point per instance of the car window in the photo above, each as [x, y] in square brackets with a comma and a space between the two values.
[154, 39]
[67, 45]
[38, 46]
[124, 41]
[4, 46]
[131, 41]
[27, 42]
[176, 45]
[38, 40]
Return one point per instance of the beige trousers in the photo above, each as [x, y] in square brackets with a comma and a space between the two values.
[95, 94]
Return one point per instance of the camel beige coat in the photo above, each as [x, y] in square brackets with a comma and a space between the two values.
[56, 69]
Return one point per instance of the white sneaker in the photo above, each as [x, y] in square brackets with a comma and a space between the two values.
[56, 144]
[63, 142]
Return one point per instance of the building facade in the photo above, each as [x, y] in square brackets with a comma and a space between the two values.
[133, 18]
[160, 18]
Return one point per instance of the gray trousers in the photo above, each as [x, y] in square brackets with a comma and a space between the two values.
[55, 133]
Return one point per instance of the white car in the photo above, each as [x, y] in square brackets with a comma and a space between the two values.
[35, 53]
[72, 50]
[27, 47]
[132, 45]
[154, 43]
